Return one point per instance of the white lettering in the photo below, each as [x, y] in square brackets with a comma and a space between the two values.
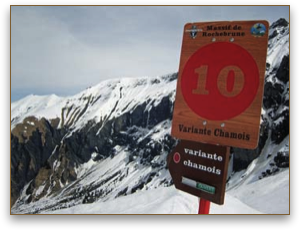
[201, 167]
[202, 154]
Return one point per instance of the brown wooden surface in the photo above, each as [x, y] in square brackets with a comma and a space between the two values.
[179, 170]
[249, 120]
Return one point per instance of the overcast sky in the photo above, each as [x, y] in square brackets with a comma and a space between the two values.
[63, 50]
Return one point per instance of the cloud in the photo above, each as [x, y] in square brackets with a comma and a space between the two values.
[55, 52]
[59, 49]
[45, 53]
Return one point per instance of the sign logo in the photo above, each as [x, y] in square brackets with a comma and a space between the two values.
[258, 30]
[193, 31]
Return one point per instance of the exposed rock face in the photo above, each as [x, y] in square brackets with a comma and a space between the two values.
[46, 155]
[30, 150]
[280, 23]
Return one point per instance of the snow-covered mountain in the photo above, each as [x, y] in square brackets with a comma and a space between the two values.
[108, 141]
[109, 144]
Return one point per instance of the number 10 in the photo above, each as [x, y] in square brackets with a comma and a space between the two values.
[230, 81]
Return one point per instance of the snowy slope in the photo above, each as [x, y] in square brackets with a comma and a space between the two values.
[268, 196]
[166, 200]
[38, 106]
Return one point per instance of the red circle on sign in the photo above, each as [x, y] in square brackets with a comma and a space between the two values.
[213, 104]
[176, 157]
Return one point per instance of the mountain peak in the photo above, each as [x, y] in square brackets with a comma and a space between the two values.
[279, 23]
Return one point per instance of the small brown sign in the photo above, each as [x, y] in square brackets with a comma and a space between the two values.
[220, 83]
[200, 169]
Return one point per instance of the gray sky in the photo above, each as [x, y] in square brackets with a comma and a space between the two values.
[63, 50]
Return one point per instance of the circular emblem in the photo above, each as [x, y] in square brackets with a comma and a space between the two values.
[220, 81]
[258, 30]
[176, 157]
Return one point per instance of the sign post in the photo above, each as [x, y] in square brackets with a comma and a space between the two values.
[204, 206]
[218, 103]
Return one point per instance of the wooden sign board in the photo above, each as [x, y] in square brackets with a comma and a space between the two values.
[200, 169]
[220, 83]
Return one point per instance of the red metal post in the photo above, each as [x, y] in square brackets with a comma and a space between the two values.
[204, 206]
